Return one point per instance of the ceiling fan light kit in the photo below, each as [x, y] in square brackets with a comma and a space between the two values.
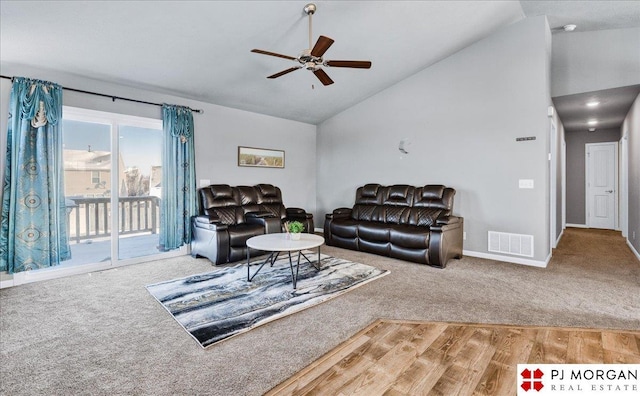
[311, 59]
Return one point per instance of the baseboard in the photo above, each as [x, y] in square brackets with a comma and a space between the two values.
[320, 230]
[6, 283]
[514, 260]
[577, 225]
[21, 278]
[633, 249]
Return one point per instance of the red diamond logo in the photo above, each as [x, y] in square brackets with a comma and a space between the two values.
[532, 380]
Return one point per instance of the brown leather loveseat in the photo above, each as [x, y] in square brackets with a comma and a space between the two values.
[231, 215]
[405, 222]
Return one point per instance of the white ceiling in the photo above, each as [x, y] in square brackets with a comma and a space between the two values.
[201, 49]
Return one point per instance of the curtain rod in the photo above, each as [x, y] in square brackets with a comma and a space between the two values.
[113, 97]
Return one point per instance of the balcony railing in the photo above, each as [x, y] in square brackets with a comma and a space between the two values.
[90, 218]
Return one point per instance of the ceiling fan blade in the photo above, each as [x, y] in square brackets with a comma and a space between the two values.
[323, 77]
[257, 51]
[282, 73]
[352, 64]
[322, 45]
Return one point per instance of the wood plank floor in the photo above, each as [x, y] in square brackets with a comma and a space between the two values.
[392, 357]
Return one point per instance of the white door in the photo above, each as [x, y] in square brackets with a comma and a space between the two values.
[602, 185]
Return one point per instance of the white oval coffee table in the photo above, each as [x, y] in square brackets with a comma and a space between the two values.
[280, 242]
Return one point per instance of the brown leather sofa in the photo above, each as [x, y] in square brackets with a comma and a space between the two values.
[231, 215]
[400, 221]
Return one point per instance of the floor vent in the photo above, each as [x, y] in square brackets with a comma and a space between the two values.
[502, 242]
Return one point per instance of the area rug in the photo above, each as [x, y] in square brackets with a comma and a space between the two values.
[217, 305]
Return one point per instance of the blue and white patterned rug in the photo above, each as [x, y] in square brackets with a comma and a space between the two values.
[221, 304]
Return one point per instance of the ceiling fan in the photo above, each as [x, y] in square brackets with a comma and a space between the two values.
[311, 59]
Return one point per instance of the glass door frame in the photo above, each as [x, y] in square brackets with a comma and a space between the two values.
[114, 120]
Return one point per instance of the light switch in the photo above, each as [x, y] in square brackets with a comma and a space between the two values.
[204, 182]
[525, 183]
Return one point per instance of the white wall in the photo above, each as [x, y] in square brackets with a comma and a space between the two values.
[632, 126]
[463, 116]
[218, 133]
[592, 61]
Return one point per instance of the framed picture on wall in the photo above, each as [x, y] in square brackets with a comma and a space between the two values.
[260, 157]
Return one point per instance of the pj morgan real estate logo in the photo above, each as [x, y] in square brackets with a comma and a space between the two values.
[578, 379]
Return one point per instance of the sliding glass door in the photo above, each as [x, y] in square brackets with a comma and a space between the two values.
[87, 189]
[139, 190]
[112, 169]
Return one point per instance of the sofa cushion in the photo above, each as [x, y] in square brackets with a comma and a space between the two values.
[409, 236]
[373, 231]
[221, 191]
[435, 196]
[369, 194]
[432, 191]
[381, 248]
[395, 214]
[228, 215]
[424, 217]
[370, 190]
[248, 195]
[415, 255]
[365, 213]
[267, 190]
[399, 195]
[345, 228]
[239, 234]
[217, 195]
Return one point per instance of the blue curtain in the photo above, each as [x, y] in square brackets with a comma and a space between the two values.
[178, 177]
[34, 224]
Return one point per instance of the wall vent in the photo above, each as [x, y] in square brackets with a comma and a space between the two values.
[518, 244]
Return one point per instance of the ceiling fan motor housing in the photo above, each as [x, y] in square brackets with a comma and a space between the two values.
[310, 9]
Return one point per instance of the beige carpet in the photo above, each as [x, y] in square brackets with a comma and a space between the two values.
[103, 334]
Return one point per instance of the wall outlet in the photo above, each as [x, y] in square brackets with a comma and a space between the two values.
[633, 235]
[464, 235]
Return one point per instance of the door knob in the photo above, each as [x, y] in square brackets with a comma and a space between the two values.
[608, 191]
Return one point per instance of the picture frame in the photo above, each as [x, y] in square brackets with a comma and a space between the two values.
[260, 157]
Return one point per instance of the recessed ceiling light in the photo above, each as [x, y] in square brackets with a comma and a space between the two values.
[569, 28]
[593, 103]
[592, 122]
[592, 129]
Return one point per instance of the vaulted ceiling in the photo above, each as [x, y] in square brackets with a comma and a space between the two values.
[201, 49]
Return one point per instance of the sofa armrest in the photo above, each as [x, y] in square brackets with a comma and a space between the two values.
[258, 215]
[445, 220]
[207, 219]
[210, 240]
[340, 213]
[445, 240]
[298, 213]
[211, 223]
